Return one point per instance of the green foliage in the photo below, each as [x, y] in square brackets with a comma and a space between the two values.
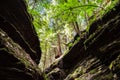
[52, 17]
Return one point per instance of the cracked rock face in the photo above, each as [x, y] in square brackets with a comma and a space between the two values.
[19, 45]
[98, 56]
[17, 23]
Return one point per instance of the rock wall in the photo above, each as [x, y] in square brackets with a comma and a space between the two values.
[95, 57]
[19, 45]
[17, 23]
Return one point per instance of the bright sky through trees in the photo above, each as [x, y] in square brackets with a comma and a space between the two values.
[58, 21]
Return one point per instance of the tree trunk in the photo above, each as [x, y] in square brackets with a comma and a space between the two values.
[59, 52]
